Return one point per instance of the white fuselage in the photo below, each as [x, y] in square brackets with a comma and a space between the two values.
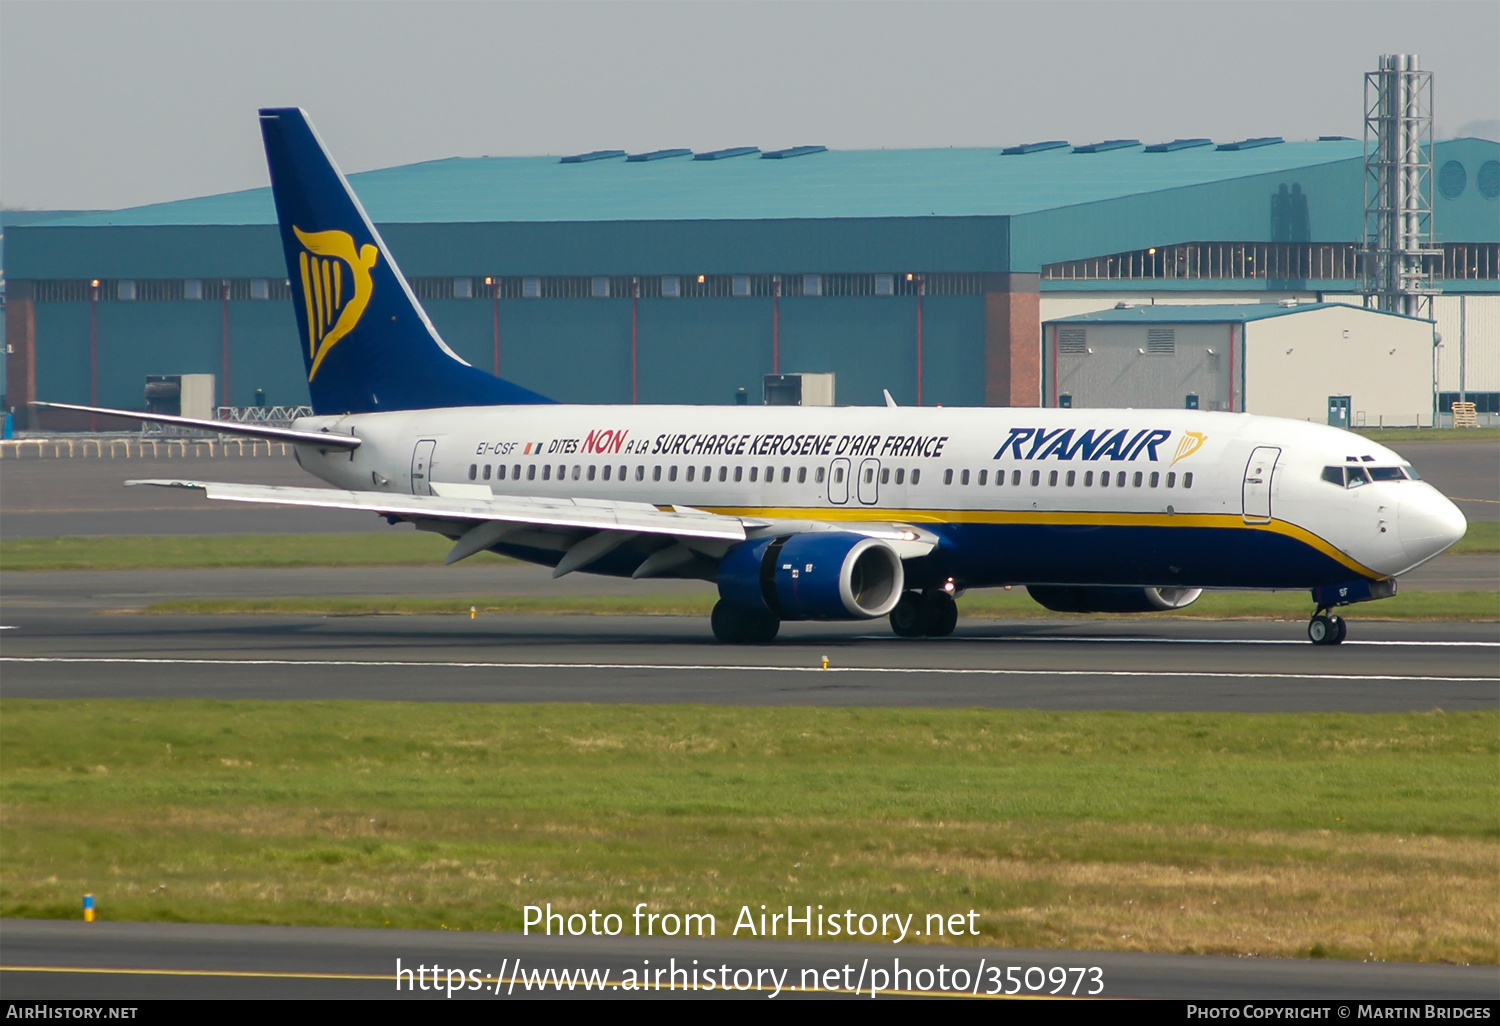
[967, 473]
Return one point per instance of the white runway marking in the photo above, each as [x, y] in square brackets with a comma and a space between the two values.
[1196, 641]
[734, 668]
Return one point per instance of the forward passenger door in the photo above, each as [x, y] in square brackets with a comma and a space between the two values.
[1257, 489]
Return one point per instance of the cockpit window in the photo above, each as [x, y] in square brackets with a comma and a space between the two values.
[1353, 477]
[1411, 472]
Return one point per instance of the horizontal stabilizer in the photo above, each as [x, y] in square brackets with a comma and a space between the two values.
[224, 427]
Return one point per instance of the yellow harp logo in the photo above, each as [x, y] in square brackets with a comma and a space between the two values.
[333, 308]
[1191, 442]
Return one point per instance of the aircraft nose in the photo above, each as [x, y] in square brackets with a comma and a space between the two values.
[1428, 523]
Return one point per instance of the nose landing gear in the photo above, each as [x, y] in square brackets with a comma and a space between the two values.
[1326, 629]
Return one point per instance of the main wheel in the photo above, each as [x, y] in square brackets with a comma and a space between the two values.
[1321, 630]
[735, 625]
[1340, 630]
[940, 614]
[908, 619]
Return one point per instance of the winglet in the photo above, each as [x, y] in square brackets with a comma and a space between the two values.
[888, 400]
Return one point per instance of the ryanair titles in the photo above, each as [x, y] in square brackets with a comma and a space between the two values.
[1093, 444]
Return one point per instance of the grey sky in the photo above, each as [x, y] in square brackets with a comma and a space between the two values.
[120, 103]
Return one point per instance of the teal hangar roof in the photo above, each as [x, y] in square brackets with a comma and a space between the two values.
[826, 184]
[1228, 313]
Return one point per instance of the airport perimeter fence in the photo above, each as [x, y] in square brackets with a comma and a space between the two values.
[133, 447]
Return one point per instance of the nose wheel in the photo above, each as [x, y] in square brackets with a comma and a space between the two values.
[1326, 629]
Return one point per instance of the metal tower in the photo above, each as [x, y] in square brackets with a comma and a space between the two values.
[1399, 258]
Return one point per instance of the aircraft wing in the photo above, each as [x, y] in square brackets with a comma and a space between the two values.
[584, 529]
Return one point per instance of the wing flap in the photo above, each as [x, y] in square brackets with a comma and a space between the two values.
[538, 512]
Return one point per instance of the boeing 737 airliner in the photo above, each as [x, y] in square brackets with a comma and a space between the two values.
[810, 513]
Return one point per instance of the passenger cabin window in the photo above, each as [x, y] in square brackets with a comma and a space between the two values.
[1072, 477]
[1052, 479]
[1171, 479]
[900, 474]
[838, 475]
[623, 469]
[607, 469]
[1137, 479]
[487, 471]
[818, 477]
[1187, 479]
[473, 470]
[983, 476]
[755, 473]
[1120, 480]
[948, 477]
[1155, 478]
[640, 472]
[739, 473]
[916, 475]
[963, 478]
[690, 472]
[546, 472]
[1104, 479]
[801, 475]
[885, 475]
[591, 473]
[1015, 477]
[578, 468]
[786, 474]
[671, 474]
[1036, 478]
[1088, 479]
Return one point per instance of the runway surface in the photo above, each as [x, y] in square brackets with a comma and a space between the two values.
[53, 651]
[40, 959]
[50, 497]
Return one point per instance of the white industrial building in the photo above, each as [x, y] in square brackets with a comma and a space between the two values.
[1343, 364]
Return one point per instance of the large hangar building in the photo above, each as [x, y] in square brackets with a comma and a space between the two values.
[681, 277]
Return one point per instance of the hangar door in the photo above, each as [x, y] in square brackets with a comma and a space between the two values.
[1257, 490]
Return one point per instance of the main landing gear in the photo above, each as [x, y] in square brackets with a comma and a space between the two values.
[930, 614]
[736, 625]
[1326, 629]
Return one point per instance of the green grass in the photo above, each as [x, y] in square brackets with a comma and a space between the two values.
[1483, 434]
[992, 604]
[1269, 834]
[1482, 536]
[380, 548]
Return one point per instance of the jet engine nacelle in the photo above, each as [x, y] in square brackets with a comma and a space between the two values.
[1066, 599]
[816, 575]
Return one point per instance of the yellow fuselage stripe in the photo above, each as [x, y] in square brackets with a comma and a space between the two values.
[1228, 521]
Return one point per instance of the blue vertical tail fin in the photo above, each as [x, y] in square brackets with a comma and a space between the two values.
[366, 341]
